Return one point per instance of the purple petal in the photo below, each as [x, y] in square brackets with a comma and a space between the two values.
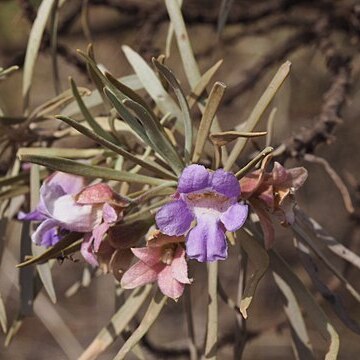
[74, 217]
[50, 238]
[35, 215]
[98, 234]
[71, 184]
[48, 194]
[225, 183]
[174, 218]
[193, 178]
[206, 241]
[87, 250]
[40, 233]
[109, 214]
[234, 217]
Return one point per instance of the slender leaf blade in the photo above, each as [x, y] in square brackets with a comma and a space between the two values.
[73, 167]
[33, 46]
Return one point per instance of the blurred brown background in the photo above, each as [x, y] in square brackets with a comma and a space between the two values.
[257, 38]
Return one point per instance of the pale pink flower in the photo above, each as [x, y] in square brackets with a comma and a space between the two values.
[162, 261]
[273, 193]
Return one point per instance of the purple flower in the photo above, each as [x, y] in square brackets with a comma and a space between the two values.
[58, 210]
[210, 198]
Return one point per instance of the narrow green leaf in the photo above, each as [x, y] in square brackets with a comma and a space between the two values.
[260, 259]
[54, 21]
[14, 191]
[223, 14]
[146, 164]
[152, 313]
[73, 167]
[69, 153]
[43, 270]
[126, 115]
[329, 241]
[117, 324]
[303, 236]
[87, 115]
[95, 73]
[14, 328]
[49, 107]
[151, 83]
[204, 81]
[171, 79]
[190, 323]
[331, 297]
[3, 228]
[26, 276]
[301, 340]
[258, 110]
[211, 341]
[94, 99]
[8, 71]
[53, 251]
[128, 92]
[252, 163]
[33, 46]
[187, 56]
[157, 136]
[225, 137]
[3, 317]
[212, 104]
[307, 301]
[170, 35]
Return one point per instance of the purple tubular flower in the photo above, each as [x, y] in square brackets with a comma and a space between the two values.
[210, 198]
[58, 210]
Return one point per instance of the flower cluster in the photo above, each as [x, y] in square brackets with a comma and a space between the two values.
[193, 225]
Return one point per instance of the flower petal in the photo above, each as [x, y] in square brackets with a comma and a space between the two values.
[35, 215]
[109, 214]
[234, 217]
[98, 234]
[250, 183]
[139, 274]
[74, 217]
[193, 178]
[206, 241]
[179, 268]
[50, 238]
[279, 174]
[298, 176]
[71, 184]
[168, 285]
[40, 233]
[225, 183]
[100, 194]
[87, 250]
[150, 256]
[49, 193]
[174, 218]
